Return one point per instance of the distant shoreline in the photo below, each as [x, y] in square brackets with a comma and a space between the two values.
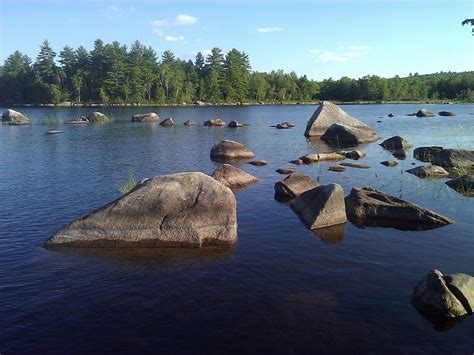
[270, 103]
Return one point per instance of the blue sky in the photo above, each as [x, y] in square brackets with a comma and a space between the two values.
[319, 38]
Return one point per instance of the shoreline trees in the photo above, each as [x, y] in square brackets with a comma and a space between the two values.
[114, 73]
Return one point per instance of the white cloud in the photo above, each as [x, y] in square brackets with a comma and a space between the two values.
[113, 12]
[269, 29]
[159, 26]
[345, 54]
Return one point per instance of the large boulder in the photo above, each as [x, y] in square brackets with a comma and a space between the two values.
[167, 122]
[178, 210]
[233, 177]
[293, 186]
[463, 184]
[424, 113]
[430, 172]
[366, 206]
[425, 154]
[327, 114]
[146, 117]
[228, 149]
[344, 135]
[214, 122]
[444, 296]
[395, 143]
[98, 117]
[13, 117]
[454, 158]
[322, 206]
[318, 157]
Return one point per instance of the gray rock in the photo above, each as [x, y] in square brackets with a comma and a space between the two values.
[235, 124]
[321, 206]
[327, 114]
[431, 171]
[98, 117]
[285, 171]
[188, 123]
[391, 115]
[454, 158]
[463, 184]
[352, 154]
[366, 206]
[178, 210]
[399, 154]
[216, 122]
[395, 143]
[292, 186]
[228, 149]
[425, 154]
[317, 157]
[444, 296]
[424, 113]
[389, 163]
[233, 177]
[54, 132]
[146, 117]
[343, 135]
[199, 103]
[12, 117]
[296, 162]
[446, 113]
[284, 125]
[167, 122]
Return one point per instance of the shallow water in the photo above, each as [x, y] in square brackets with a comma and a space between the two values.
[280, 289]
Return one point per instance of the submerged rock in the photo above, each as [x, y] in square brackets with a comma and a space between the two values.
[357, 166]
[293, 186]
[235, 124]
[424, 113]
[12, 117]
[228, 149]
[337, 168]
[343, 135]
[391, 115]
[366, 206]
[258, 162]
[425, 154]
[317, 157]
[296, 162]
[178, 210]
[446, 113]
[327, 114]
[431, 171]
[98, 117]
[233, 177]
[444, 296]
[285, 170]
[463, 184]
[216, 122]
[54, 132]
[146, 117]
[284, 125]
[188, 123]
[321, 206]
[167, 122]
[352, 154]
[395, 143]
[389, 163]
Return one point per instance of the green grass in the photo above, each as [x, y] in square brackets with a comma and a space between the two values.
[125, 187]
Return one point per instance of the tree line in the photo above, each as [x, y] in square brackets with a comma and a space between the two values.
[114, 73]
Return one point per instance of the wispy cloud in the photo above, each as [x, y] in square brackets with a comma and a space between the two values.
[269, 29]
[112, 12]
[345, 54]
[160, 26]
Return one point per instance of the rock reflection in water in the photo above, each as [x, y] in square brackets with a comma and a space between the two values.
[331, 235]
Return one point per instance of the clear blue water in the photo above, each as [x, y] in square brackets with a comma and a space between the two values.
[280, 289]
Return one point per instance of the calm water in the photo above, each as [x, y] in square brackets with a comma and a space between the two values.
[280, 289]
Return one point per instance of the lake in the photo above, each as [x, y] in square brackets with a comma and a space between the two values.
[280, 289]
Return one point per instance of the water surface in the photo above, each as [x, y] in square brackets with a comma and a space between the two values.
[280, 289]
